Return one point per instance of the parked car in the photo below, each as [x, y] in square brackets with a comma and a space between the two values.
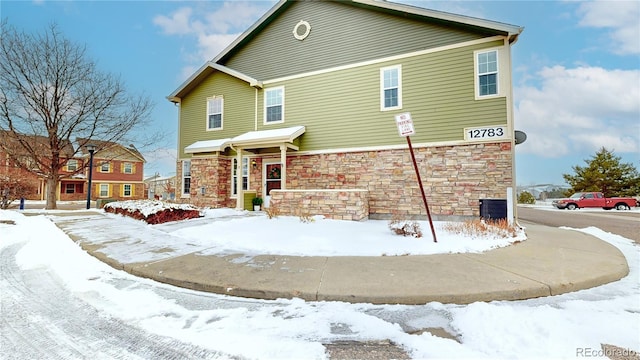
[594, 200]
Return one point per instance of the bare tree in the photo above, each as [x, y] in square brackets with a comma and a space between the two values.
[50, 89]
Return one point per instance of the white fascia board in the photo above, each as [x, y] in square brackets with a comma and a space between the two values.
[275, 136]
[211, 65]
[468, 20]
[207, 146]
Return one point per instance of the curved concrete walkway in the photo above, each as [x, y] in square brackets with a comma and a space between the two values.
[552, 261]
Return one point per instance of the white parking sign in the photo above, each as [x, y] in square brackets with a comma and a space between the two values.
[405, 124]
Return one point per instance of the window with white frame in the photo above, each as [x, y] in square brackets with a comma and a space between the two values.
[391, 88]
[72, 165]
[104, 190]
[105, 167]
[126, 190]
[215, 106]
[274, 105]
[245, 175]
[186, 177]
[70, 188]
[127, 168]
[487, 73]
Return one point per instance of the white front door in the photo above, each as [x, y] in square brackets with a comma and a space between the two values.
[271, 172]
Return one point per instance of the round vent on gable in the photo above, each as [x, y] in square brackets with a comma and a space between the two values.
[301, 30]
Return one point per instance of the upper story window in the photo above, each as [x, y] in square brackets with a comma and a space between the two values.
[186, 177]
[391, 88]
[214, 113]
[274, 105]
[72, 165]
[127, 168]
[487, 73]
[105, 167]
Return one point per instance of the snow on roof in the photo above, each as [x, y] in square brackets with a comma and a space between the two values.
[207, 146]
[285, 134]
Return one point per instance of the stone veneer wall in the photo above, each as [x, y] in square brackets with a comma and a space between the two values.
[455, 178]
[342, 204]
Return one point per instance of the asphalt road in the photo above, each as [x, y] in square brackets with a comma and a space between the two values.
[620, 222]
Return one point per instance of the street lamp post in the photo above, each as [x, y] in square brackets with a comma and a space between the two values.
[91, 149]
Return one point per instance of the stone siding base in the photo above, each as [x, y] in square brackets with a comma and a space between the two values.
[342, 204]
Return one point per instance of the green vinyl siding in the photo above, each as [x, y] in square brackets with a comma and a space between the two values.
[341, 109]
[340, 34]
[238, 112]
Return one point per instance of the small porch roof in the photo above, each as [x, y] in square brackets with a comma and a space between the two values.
[207, 146]
[251, 139]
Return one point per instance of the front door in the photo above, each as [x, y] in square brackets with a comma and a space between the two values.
[272, 175]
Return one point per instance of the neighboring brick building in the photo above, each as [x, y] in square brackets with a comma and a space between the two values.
[118, 171]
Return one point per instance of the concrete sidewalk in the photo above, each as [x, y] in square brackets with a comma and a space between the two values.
[552, 261]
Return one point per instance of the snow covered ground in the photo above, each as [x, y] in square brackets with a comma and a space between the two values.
[566, 326]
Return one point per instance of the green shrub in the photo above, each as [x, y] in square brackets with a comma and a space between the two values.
[525, 197]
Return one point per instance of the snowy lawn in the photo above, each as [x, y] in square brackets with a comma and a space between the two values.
[572, 325]
[251, 233]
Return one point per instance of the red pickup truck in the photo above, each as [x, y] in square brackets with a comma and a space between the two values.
[595, 199]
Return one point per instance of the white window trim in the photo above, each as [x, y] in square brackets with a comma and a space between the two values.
[124, 186]
[75, 164]
[499, 75]
[108, 164]
[182, 193]
[221, 113]
[124, 168]
[265, 122]
[244, 159]
[100, 190]
[382, 70]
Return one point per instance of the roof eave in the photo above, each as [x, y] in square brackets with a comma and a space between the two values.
[204, 70]
[507, 29]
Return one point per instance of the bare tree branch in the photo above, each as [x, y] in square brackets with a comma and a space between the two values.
[50, 89]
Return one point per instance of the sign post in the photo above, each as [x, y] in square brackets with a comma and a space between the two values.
[405, 128]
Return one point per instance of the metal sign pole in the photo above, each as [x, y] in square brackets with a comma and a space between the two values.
[424, 197]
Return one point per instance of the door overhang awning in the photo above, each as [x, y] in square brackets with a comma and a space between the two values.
[250, 140]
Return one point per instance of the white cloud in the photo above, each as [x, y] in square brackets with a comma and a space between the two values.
[212, 26]
[621, 17]
[579, 109]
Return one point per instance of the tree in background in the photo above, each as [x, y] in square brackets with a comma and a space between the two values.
[526, 197]
[605, 173]
[14, 186]
[51, 90]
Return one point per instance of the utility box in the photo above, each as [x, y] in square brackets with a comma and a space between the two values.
[493, 209]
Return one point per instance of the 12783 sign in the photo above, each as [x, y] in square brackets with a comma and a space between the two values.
[485, 133]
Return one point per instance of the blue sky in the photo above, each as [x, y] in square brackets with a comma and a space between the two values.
[576, 67]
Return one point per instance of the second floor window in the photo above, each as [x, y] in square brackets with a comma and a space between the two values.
[391, 88]
[214, 113]
[72, 165]
[127, 168]
[487, 63]
[274, 105]
[105, 167]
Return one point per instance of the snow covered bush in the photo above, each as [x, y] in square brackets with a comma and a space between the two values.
[153, 211]
[405, 228]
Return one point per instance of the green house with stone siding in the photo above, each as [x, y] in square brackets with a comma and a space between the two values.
[300, 110]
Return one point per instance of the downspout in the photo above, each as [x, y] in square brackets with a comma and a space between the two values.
[511, 129]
